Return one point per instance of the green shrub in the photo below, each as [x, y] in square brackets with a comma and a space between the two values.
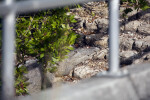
[20, 83]
[45, 35]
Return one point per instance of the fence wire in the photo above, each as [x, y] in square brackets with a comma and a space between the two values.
[8, 10]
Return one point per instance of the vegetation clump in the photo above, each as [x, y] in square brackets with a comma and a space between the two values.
[46, 36]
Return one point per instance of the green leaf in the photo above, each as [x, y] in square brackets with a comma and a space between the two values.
[53, 69]
[55, 59]
[42, 55]
[70, 48]
[73, 20]
[23, 19]
[42, 49]
[31, 19]
[53, 25]
[63, 25]
[78, 6]
[145, 7]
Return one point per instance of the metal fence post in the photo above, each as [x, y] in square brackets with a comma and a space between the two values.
[8, 47]
[114, 30]
[114, 35]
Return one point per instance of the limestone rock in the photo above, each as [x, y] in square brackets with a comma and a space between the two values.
[34, 81]
[90, 39]
[126, 43]
[146, 39]
[90, 26]
[102, 43]
[141, 45]
[38, 80]
[75, 57]
[126, 57]
[102, 54]
[127, 54]
[133, 25]
[36, 77]
[89, 68]
[84, 72]
[138, 61]
[144, 28]
[137, 45]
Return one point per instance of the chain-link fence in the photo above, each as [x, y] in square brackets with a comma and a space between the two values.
[8, 11]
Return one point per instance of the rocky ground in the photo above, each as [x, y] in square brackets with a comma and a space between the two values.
[91, 49]
[92, 27]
